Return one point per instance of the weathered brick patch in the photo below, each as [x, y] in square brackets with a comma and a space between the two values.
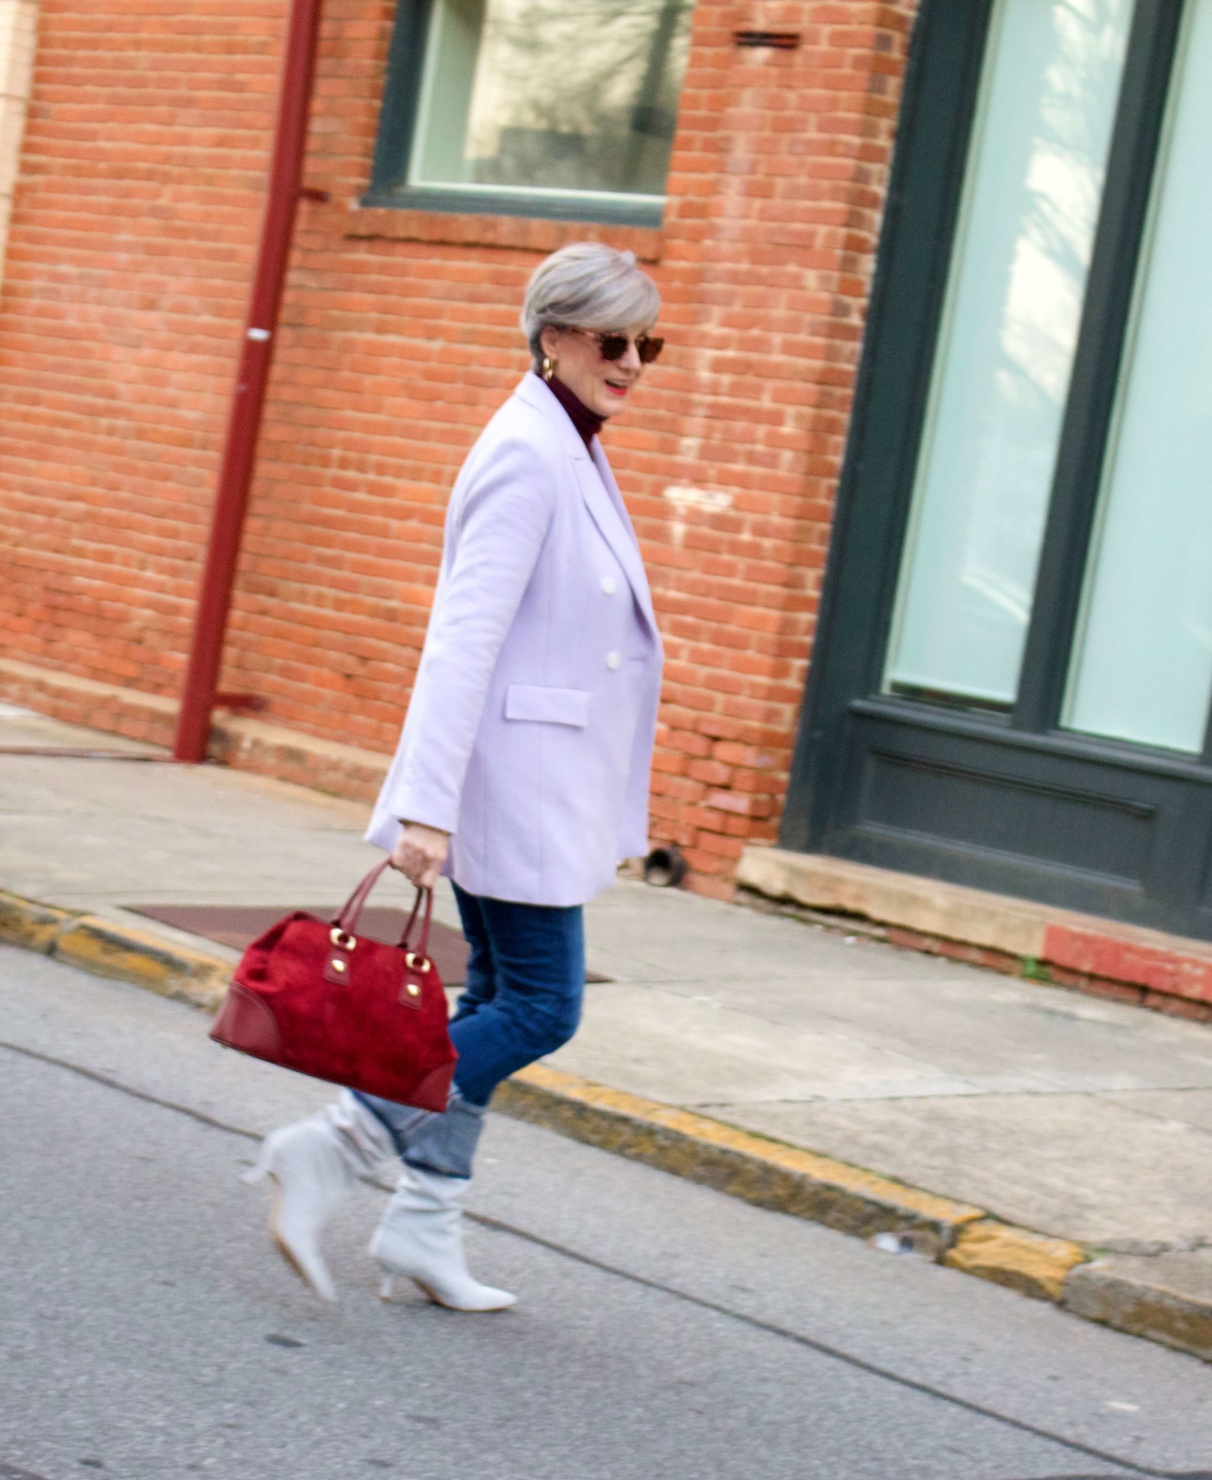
[1031, 968]
[998, 932]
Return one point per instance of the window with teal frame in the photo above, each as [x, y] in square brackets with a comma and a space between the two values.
[563, 108]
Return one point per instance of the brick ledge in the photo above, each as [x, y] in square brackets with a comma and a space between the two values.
[244, 744]
[1169, 972]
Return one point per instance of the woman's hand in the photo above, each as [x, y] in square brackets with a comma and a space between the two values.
[420, 852]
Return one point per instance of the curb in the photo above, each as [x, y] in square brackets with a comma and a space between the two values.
[768, 1173]
[119, 951]
[1031, 1263]
[1156, 1312]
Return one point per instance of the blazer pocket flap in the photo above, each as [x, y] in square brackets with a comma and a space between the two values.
[547, 706]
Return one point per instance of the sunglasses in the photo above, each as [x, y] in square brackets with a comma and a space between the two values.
[614, 346]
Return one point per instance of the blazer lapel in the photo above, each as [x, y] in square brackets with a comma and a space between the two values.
[536, 394]
[599, 490]
[605, 503]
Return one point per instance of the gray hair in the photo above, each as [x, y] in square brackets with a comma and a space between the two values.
[587, 286]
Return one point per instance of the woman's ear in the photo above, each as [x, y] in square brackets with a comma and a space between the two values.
[550, 340]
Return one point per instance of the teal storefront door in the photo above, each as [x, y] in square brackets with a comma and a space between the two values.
[1012, 679]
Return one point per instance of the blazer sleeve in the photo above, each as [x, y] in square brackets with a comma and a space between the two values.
[499, 528]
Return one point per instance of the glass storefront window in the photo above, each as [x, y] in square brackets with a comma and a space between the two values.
[547, 98]
[1001, 373]
[1143, 659]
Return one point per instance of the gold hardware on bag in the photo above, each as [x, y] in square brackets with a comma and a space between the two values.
[414, 965]
[412, 989]
[340, 938]
[337, 965]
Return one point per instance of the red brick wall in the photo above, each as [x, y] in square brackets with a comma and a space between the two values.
[132, 244]
[133, 231]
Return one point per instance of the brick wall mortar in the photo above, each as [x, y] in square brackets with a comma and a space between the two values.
[133, 237]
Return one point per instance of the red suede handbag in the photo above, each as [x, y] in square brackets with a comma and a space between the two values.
[317, 997]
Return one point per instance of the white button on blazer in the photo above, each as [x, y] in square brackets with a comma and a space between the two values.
[519, 741]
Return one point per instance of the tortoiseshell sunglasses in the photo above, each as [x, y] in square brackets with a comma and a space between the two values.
[613, 346]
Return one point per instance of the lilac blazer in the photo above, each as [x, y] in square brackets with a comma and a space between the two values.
[530, 730]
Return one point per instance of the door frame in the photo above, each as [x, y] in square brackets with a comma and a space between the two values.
[1004, 802]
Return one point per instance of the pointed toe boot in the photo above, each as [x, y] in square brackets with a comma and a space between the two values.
[420, 1238]
[313, 1164]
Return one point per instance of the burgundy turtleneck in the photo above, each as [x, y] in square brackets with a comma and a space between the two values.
[588, 423]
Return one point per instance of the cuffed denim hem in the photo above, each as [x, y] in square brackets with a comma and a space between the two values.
[447, 1143]
[429, 1141]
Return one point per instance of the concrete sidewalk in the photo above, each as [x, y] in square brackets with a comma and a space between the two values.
[732, 1045]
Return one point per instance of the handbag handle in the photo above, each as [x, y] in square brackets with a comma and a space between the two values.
[347, 917]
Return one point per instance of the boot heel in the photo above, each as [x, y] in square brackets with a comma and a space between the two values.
[387, 1286]
[311, 1167]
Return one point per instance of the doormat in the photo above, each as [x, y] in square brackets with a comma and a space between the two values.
[239, 925]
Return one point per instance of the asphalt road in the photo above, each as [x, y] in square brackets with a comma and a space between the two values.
[664, 1331]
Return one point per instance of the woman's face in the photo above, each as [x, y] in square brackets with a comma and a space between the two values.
[603, 386]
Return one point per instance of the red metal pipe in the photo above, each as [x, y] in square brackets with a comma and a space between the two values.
[248, 397]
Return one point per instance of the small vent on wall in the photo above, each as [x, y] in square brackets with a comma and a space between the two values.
[777, 40]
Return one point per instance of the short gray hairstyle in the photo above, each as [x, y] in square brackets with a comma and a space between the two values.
[587, 286]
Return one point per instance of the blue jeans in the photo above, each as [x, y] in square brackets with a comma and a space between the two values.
[521, 1001]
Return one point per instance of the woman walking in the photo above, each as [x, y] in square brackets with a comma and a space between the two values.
[523, 768]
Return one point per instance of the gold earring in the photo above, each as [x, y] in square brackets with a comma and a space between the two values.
[549, 367]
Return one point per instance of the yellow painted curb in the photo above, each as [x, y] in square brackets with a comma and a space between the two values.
[25, 922]
[106, 948]
[1173, 1318]
[1028, 1262]
[137, 956]
[768, 1173]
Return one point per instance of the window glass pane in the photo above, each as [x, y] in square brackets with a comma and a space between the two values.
[551, 95]
[1143, 663]
[1001, 375]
